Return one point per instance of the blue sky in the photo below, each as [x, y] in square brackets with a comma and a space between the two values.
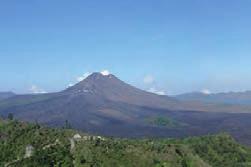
[173, 46]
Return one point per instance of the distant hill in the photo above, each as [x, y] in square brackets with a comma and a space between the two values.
[233, 98]
[25, 144]
[5, 95]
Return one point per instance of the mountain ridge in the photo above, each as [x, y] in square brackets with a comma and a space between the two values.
[237, 98]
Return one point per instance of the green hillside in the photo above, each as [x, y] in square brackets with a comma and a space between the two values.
[30, 145]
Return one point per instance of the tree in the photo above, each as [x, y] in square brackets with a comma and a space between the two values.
[10, 116]
[67, 125]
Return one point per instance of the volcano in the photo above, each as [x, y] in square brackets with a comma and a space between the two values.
[110, 88]
[97, 103]
[103, 104]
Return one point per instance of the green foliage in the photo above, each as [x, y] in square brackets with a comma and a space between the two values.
[164, 121]
[52, 148]
[161, 121]
[220, 150]
[15, 136]
[10, 116]
[67, 125]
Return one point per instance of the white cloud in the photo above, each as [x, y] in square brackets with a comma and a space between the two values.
[158, 92]
[148, 79]
[35, 89]
[206, 91]
[105, 72]
[70, 85]
[85, 75]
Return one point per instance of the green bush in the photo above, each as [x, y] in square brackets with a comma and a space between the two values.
[52, 148]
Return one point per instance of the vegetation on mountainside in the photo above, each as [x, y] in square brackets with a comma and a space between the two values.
[58, 147]
[164, 122]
